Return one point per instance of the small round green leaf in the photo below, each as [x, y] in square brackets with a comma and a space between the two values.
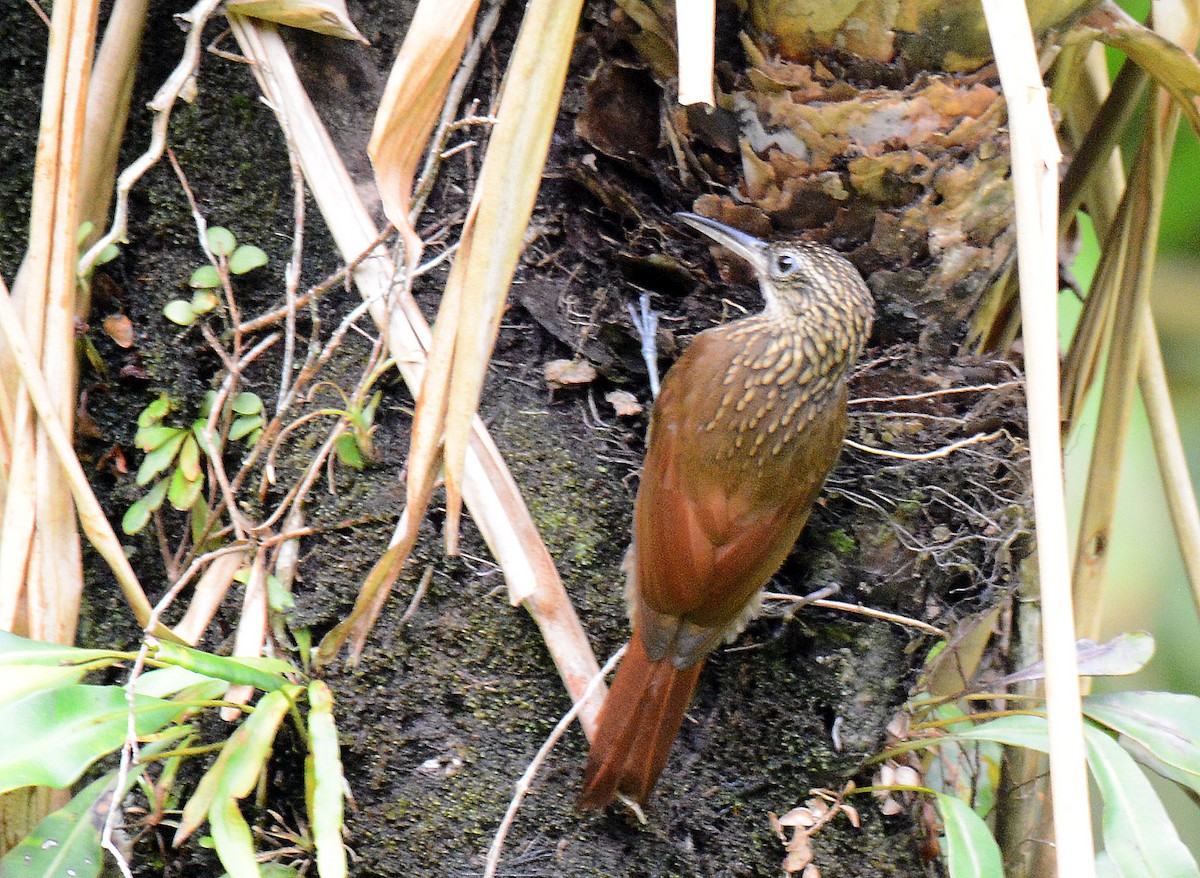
[151, 437]
[247, 404]
[189, 458]
[247, 258]
[160, 458]
[179, 311]
[108, 254]
[220, 240]
[348, 451]
[184, 491]
[243, 427]
[204, 301]
[155, 412]
[155, 496]
[206, 277]
[136, 517]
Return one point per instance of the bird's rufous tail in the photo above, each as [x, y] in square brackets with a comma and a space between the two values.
[637, 725]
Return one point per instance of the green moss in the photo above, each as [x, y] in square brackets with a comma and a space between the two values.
[842, 542]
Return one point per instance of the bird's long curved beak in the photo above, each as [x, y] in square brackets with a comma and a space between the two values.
[746, 246]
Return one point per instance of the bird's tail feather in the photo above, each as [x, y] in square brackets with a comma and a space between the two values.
[638, 723]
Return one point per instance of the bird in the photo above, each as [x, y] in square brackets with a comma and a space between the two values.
[748, 423]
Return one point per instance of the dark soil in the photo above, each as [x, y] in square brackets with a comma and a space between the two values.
[445, 711]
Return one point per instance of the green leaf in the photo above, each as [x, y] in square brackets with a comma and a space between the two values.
[184, 491]
[206, 277]
[1162, 725]
[179, 311]
[235, 770]
[265, 674]
[204, 301]
[137, 515]
[51, 737]
[85, 229]
[160, 458]
[108, 254]
[1017, 731]
[247, 258]
[244, 426]
[189, 458]
[971, 852]
[16, 650]
[164, 682]
[206, 405]
[348, 451]
[247, 403]
[232, 839]
[200, 431]
[18, 682]
[1139, 837]
[279, 598]
[150, 437]
[67, 841]
[220, 240]
[325, 807]
[154, 412]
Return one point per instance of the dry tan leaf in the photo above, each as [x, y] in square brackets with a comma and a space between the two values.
[563, 373]
[499, 216]
[119, 329]
[411, 103]
[327, 17]
[624, 403]
[798, 817]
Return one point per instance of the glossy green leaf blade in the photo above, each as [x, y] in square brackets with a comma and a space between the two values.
[325, 808]
[1139, 837]
[67, 841]
[232, 838]
[1164, 724]
[15, 650]
[167, 681]
[17, 683]
[247, 258]
[51, 737]
[261, 674]
[971, 852]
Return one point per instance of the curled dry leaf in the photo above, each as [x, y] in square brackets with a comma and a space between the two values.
[411, 103]
[624, 403]
[120, 329]
[563, 373]
[327, 17]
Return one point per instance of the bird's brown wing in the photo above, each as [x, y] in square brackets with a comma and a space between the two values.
[708, 534]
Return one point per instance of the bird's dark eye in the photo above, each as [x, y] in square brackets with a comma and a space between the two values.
[786, 263]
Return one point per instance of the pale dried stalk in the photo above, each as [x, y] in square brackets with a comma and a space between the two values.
[95, 524]
[489, 489]
[108, 109]
[41, 551]
[695, 22]
[1035, 160]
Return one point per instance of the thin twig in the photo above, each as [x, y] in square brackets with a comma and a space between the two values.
[944, 451]
[195, 19]
[904, 397]
[907, 621]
